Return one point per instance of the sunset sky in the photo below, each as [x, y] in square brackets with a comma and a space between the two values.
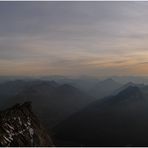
[74, 38]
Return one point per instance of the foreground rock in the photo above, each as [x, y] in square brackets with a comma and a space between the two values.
[20, 127]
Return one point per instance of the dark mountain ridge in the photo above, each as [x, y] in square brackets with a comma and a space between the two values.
[119, 120]
[126, 86]
[10, 89]
[104, 88]
[52, 102]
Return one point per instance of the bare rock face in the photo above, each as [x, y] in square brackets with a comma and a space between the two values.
[20, 127]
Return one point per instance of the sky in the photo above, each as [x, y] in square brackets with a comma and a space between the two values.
[74, 38]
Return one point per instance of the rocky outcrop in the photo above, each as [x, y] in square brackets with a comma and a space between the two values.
[20, 127]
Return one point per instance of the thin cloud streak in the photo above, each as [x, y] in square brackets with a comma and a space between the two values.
[73, 38]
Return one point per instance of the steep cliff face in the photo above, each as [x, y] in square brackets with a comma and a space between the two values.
[20, 127]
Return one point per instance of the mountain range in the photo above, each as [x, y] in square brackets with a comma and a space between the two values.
[119, 120]
[105, 113]
[104, 88]
[52, 102]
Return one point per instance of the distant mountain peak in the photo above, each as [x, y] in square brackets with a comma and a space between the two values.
[125, 86]
[67, 86]
[130, 91]
[105, 88]
[66, 89]
[108, 80]
[130, 84]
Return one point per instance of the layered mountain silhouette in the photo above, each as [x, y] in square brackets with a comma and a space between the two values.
[19, 126]
[112, 115]
[53, 102]
[105, 88]
[10, 89]
[119, 120]
[126, 86]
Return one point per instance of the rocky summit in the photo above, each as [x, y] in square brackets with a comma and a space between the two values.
[20, 127]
